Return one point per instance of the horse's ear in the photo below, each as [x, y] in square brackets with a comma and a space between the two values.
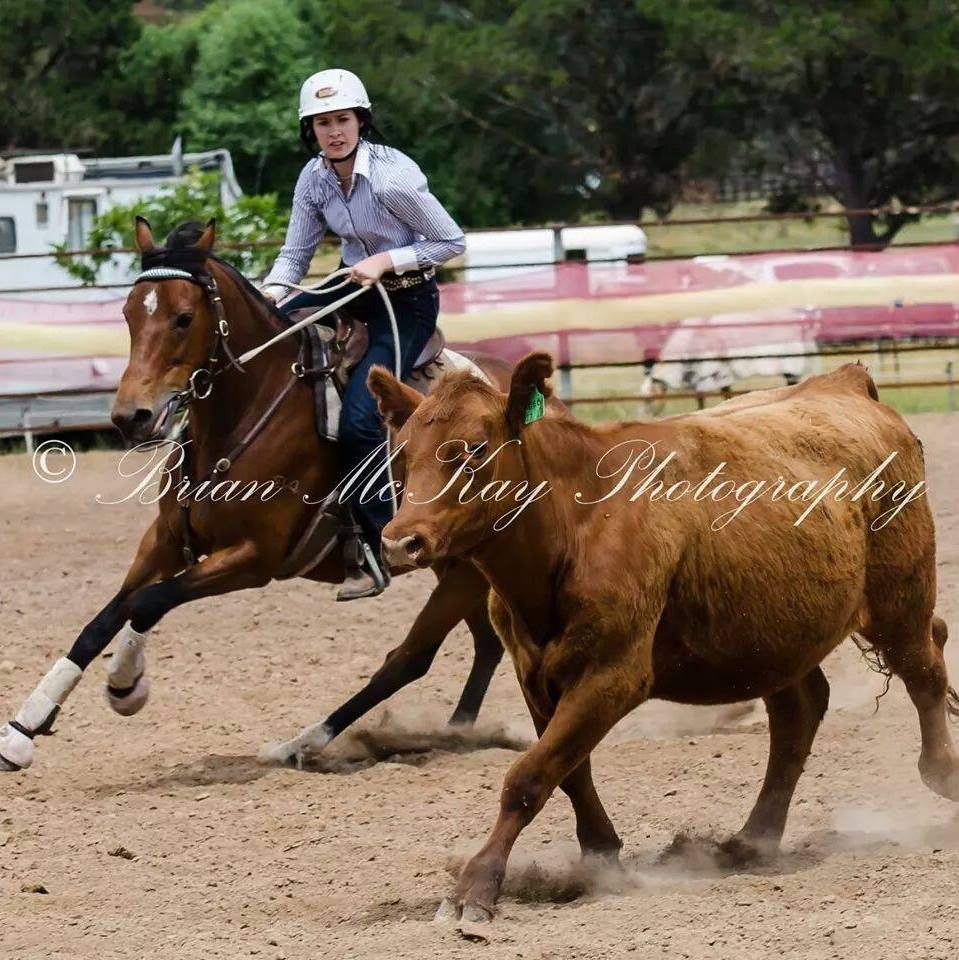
[143, 235]
[396, 401]
[530, 375]
[208, 237]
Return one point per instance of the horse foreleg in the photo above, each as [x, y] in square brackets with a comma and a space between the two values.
[488, 651]
[156, 557]
[452, 598]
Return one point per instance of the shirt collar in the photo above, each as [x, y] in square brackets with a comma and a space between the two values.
[361, 163]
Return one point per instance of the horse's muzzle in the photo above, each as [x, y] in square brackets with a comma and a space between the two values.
[140, 424]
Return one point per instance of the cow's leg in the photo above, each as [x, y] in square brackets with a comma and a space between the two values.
[919, 661]
[156, 557]
[487, 653]
[794, 717]
[595, 831]
[584, 714]
[460, 589]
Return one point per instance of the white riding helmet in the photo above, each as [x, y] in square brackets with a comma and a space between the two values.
[332, 90]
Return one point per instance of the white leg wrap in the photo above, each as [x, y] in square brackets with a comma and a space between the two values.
[37, 712]
[126, 670]
[311, 740]
[128, 661]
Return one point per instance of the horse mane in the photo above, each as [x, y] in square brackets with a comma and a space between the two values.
[180, 252]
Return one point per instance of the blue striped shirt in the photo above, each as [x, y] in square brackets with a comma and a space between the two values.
[389, 210]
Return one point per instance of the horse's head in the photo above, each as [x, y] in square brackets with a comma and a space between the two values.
[172, 330]
[460, 448]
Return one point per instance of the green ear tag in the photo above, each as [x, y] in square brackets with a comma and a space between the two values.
[536, 406]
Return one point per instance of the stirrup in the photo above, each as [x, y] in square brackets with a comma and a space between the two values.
[363, 575]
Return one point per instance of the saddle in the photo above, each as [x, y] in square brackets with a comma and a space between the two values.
[333, 353]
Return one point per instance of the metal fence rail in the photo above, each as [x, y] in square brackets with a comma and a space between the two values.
[31, 414]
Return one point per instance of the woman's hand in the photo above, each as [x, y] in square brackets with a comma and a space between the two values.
[368, 271]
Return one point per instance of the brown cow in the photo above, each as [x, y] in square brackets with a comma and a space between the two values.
[605, 599]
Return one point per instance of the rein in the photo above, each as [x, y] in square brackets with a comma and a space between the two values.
[200, 384]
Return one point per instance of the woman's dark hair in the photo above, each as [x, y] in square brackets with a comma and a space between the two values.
[368, 130]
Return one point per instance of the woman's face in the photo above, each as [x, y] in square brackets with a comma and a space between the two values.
[337, 132]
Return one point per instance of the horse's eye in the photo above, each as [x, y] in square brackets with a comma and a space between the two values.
[183, 320]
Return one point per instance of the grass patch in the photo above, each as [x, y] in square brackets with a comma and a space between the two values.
[691, 241]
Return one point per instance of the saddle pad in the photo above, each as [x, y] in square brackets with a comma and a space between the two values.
[329, 403]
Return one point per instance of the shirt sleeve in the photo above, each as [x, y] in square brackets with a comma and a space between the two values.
[408, 198]
[306, 229]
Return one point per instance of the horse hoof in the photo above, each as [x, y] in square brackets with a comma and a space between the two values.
[447, 911]
[278, 753]
[16, 750]
[131, 702]
[295, 752]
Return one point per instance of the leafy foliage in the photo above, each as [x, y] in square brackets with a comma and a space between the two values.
[864, 94]
[197, 197]
[244, 87]
[59, 67]
[518, 110]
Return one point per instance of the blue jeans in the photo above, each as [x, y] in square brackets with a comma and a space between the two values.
[361, 427]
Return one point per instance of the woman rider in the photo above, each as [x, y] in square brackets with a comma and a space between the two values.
[376, 199]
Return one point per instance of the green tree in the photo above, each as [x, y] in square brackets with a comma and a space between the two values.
[197, 197]
[59, 68]
[250, 61]
[159, 66]
[530, 110]
[862, 93]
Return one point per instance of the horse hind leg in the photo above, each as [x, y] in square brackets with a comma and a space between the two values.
[454, 595]
[794, 717]
[915, 654]
[487, 653]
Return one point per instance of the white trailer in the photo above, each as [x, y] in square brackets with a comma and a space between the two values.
[52, 198]
[495, 254]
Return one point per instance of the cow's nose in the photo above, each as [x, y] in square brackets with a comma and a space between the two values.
[406, 552]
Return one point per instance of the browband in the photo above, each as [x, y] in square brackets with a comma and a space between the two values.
[166, 273]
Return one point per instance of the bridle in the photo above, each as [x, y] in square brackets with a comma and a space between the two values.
[200, 384]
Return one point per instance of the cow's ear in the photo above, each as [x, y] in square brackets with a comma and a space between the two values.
[143, 235]
[528, 390]
[395, 400]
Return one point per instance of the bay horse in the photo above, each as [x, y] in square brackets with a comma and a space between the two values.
[653, 565]
[190, 314]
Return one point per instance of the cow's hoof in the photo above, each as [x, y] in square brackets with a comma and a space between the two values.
[449, 911]
[475, 913]
[739, 851]
[131, 701]
[16, 750]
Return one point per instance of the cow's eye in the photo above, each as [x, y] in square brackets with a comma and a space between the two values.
[474, 455]
[183, 320]
[476, 451]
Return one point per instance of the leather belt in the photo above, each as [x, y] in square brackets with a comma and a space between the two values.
[412, 278]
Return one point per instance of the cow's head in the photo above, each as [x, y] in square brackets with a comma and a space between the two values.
[172, 332]
[461, 440]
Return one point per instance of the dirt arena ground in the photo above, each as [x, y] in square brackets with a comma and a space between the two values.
[227, 858]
